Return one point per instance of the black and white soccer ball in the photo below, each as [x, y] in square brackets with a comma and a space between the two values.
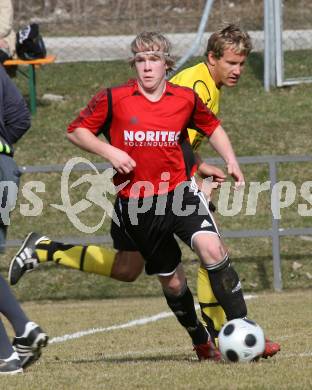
[241, 340]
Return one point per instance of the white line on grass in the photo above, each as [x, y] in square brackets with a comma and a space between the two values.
[295, 355]
[306, 238]
[140, 321]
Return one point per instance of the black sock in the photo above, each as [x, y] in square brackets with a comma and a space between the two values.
[227, 289]
[184, 310]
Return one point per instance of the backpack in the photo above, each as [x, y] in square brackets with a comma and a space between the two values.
[29, 43]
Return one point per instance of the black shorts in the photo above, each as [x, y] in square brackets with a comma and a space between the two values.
[152, 232]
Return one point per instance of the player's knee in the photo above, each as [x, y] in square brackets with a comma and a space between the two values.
[175, 283]
[128, 275]
[210, 250]
[127, 266]
[173, 286]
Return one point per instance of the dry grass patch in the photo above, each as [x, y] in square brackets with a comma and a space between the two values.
[159, 354]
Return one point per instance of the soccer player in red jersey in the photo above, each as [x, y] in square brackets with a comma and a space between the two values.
[145, 122]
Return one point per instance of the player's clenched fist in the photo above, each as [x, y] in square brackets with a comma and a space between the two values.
[121, 161]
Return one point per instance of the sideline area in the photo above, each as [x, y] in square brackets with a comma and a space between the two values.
[109, 48]
[130, 324]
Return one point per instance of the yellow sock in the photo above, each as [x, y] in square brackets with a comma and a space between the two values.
[99, 260]
[91, 258]
[42, 251]
[212, 313]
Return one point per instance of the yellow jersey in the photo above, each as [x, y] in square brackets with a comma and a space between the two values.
[199, 79]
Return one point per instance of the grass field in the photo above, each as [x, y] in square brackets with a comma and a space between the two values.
[113, 351]
[158, 355]
[258, 123]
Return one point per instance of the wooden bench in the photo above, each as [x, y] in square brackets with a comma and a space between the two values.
[32, 65]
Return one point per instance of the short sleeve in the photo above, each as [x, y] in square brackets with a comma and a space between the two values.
[93, 116]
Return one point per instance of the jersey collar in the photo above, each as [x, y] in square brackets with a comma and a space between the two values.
[135, 88]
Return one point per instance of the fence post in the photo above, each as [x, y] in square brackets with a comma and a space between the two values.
[196, 43]
[278, 28]
[269, 46]
[277, 274]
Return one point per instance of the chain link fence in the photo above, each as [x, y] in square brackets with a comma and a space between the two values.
[124, 17]
[101, 30]
[80, 30]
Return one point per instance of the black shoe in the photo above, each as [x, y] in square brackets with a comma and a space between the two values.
[11, 366]
[25, 259]
[29, 345]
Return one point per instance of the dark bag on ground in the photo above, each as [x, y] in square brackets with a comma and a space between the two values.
[29, 43]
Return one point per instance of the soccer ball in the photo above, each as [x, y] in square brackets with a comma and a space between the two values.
[241, 340]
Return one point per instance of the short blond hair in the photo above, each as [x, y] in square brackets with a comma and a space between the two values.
[232, 37]
[152, 41]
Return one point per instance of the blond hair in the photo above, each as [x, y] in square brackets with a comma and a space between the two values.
[152, 41]
[232, 37]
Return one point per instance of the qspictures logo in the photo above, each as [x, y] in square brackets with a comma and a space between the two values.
[101, 186]
[99, 192]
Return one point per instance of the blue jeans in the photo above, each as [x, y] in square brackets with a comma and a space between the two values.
[9, 172]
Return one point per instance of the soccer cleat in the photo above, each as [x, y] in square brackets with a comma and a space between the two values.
[11, 366]
[25, 259]
[270, 349]
[207, 351]
[29, 345]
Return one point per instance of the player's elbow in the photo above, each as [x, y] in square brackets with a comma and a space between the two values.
[72, 137]
[69, 136]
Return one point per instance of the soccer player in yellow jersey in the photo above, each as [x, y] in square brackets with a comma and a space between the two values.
[199, 78]
[225, 58]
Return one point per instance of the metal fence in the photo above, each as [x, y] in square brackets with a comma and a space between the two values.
[288, 27]
[128, 17]
[101, 30]
[274, 232]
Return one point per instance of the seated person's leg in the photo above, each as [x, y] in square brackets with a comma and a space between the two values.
[9, 179]
[10, 362]
[29, 339]
[3, 234]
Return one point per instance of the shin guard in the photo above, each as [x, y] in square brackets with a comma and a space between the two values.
[226, 287]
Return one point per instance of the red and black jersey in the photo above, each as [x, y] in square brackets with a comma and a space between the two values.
[154, 134]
